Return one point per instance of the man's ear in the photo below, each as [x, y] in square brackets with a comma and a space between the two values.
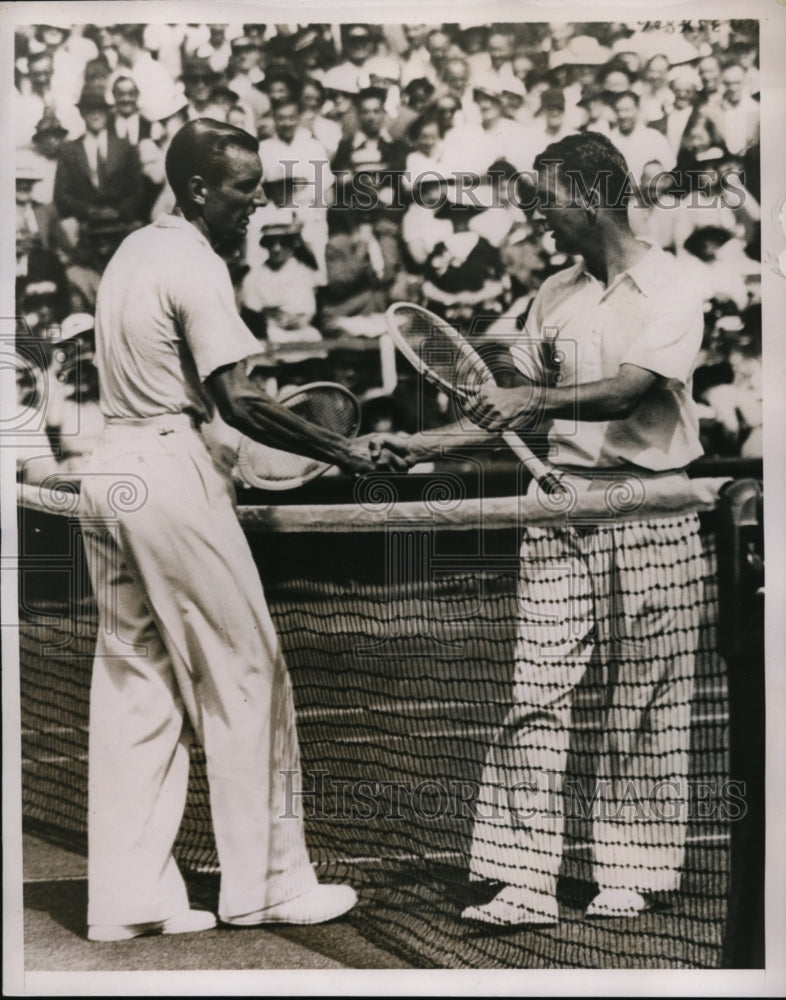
[197, 189]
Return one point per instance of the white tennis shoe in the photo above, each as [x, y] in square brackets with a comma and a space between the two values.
[187, 922]
[514, 905]
[617, 903]
[323, 903]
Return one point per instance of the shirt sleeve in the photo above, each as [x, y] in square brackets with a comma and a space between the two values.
[204, 304]
[670, 337]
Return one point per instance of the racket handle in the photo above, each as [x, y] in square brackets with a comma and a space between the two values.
[542, 473]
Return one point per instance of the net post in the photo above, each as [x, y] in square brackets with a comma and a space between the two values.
[740, 536]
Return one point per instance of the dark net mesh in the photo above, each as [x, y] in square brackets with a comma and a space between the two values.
[402, 647]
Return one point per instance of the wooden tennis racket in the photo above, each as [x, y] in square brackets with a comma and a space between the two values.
[443, 356]
[328, 405]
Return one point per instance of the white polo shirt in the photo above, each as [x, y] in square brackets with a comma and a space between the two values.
[165, 320]
[649, 316]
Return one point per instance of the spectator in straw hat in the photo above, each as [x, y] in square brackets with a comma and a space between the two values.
[463, 273]
[280, 295]
[99, 170]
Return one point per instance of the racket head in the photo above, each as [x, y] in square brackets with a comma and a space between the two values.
[328, 405]
[437, 350]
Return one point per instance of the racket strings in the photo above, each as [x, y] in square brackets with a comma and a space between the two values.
[329, 407]
[456, 366]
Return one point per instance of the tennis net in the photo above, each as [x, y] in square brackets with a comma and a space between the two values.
[399, 623]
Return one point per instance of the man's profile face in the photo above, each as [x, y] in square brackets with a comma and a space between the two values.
[230, 201]
[559, 211]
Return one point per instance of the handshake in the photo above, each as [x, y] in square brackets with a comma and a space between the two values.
[385, 452]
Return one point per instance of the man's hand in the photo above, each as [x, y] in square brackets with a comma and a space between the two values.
[391, 452]
[498, 409]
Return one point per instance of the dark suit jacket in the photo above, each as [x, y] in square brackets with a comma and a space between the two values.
[144, 127]
[119, 186]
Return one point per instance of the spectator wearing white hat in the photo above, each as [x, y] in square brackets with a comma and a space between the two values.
[463, 273]
[279, 296]
[474, 148]
[384, 71]
[293, 153]
[572, 68]
[638, 143]
[341, 90]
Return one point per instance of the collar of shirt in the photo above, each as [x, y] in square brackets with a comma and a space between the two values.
[168, 220]
[126, 126]
[645, 273]
[361, 139]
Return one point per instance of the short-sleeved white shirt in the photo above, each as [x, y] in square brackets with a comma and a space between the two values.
[165, 319]
[649, 316]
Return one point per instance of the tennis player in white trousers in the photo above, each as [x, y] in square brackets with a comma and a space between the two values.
[186, 644]
[606, 360]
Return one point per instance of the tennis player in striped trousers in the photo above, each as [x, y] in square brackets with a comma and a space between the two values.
[606, 359]
[186, 645]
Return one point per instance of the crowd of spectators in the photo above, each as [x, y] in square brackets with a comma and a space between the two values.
[395, 164]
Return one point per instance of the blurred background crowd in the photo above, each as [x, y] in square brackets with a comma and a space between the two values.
[364, 130]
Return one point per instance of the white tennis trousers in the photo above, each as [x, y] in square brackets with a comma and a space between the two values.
[628, 593]
[185, 646]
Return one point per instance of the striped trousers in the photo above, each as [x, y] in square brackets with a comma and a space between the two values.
[626, 596]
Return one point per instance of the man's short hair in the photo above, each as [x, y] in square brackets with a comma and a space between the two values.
[592, 160]
[124, 79]
[626, 93]
[199, 148]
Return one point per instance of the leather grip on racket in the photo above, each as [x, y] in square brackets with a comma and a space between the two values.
[545, 476]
